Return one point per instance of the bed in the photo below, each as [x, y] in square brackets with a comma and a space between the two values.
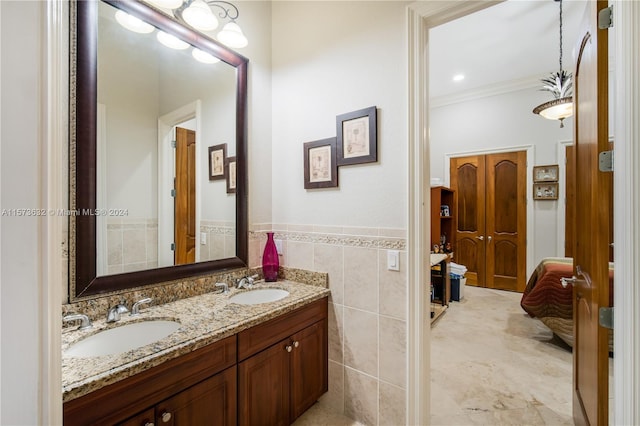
[545, 298]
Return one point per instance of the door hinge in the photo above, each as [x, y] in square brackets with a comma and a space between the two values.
[605, 316]
[173, 246]
[605, 18]
[605, 161]
[173, 144]
[173, 193]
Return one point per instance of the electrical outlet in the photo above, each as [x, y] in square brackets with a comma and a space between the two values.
[278, 246]
[203, 238]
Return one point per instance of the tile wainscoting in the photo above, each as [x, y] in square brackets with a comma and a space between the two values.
[367, 312]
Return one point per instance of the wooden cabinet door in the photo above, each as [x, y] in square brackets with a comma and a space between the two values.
[468, 182]
[506, 221]
[211, 402]
[263, 387]
[145, 418]
[309, 367]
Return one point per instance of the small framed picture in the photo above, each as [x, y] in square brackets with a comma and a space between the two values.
[545, 191]
[357, 137]
[231, 175]
[320, 166]
[545, 173]
[217, 158]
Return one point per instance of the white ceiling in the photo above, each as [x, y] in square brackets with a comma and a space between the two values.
[514, 40]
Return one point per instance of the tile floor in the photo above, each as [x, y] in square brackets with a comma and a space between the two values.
[490, 364]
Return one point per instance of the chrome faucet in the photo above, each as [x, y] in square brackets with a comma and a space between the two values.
[224, 287]
[114, 313]
[85, 322]
[135, 309]
[246, 282]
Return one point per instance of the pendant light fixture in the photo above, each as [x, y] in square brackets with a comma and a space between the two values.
[561, 86]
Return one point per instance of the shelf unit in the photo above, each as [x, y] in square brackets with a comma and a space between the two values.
[443, 225]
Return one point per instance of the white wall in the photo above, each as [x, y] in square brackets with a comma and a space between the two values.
[331, 58]
[502, 121]
[20, 167]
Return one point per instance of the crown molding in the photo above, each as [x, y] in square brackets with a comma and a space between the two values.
[486, 91]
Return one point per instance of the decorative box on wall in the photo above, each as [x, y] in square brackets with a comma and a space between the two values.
[545, 180]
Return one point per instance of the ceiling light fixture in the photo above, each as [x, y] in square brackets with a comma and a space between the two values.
[561, 86]
[199, 14]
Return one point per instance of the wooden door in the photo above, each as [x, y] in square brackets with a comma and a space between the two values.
[506, 220]
[491, 205]
[185, 198]
[468, 181]
[211, 402]
[309, 367]
[263, 387]
[592, 222]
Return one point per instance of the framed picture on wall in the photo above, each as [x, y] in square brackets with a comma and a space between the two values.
[357, 137]
[545, 191]
[217, 158]
[231, 175]
[320, 166]
[545, 173]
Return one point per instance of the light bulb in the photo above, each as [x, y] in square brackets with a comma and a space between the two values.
[171, 41]
[199, 16]
[132, 23]
[167, 4]
[232, 36]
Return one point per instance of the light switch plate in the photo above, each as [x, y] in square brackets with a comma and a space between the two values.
[203, 238]
[393, 260]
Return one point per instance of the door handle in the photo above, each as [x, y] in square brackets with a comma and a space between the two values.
[573, 280]
[566, 281]
[489, 238]
[481, 237]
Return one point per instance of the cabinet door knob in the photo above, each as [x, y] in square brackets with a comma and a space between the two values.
[288, 348]
[166, 417]
[149, 424]
[296, 344]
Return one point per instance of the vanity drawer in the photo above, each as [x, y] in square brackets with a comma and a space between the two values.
[263, 335]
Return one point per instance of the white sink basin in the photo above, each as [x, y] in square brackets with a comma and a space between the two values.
[121, 339]
[262, 295]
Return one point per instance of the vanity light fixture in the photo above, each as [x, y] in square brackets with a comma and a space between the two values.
[561, 86]
[171, 41]
[199, 14]
[204, 57]
[132, 23]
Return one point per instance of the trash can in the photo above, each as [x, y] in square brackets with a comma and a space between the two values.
[457, 287]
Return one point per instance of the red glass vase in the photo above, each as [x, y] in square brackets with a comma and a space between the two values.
[270, 262]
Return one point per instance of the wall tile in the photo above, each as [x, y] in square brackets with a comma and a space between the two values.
[361, 278]
[330, 259]
[324, 229]
[392, 233]
[334, 398]
[393, 351]
[360, 397]
[300, 228]
[361, 341]
[391, 402]
[114, 247]
[152, 242]
[134, 245]
[358, 230]
[336, 332]
[393, 287]
[299, 255]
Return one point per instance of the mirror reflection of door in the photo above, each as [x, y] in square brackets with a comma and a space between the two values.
[185, 197]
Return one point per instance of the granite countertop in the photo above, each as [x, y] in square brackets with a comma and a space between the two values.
[204, 319]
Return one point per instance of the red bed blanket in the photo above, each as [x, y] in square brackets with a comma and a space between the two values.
[546, 299]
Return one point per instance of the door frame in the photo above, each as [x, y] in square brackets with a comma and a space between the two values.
[421, 16]
[530, 150]
[562, 195]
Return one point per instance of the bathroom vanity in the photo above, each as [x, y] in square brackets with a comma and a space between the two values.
[228, 364]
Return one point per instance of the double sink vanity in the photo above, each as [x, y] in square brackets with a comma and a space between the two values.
[254, 356]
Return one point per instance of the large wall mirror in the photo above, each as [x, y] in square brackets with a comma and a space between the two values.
[158, 151]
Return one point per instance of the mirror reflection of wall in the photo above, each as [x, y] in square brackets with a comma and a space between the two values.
[140, 83]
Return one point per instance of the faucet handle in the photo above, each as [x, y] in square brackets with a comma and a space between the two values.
[85, 322]
[135, 309]
[114, 313]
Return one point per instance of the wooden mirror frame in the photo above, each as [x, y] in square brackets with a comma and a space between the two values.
[83, 281]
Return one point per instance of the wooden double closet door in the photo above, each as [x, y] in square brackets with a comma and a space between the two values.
[492, 218]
